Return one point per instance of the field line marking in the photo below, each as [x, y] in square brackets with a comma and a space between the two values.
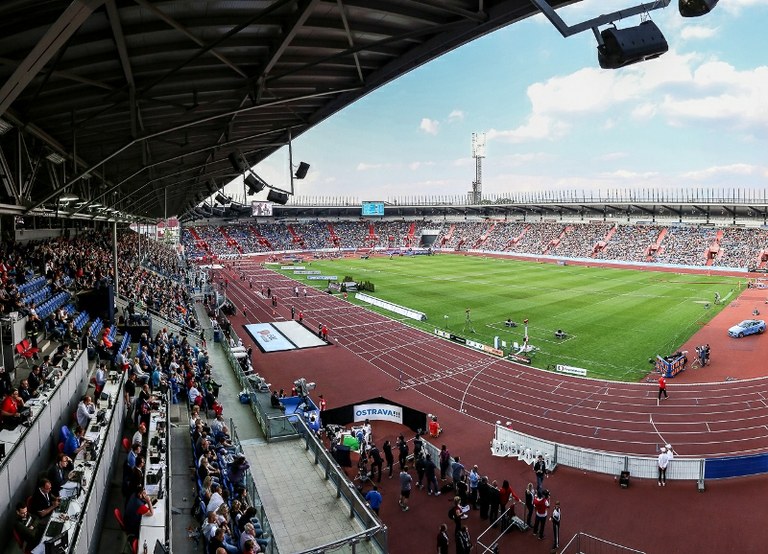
[663, 440]
[466, 389]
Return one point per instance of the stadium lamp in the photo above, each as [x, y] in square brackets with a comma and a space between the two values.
[620, 47]
[695, 8]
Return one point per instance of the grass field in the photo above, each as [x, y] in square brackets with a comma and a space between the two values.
[615, 319]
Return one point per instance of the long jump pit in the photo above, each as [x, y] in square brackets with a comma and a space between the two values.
[280, 336]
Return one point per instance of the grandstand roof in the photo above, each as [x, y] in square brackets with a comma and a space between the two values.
[136, 104]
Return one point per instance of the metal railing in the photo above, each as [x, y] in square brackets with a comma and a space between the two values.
[253, 495]
[526, 448]
[292, 427]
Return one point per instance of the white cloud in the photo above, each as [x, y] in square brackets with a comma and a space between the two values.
[429, 126]
[735, 6]
[612, 156]
[455, 115]
[697, 32]
[718, 171]
[625, 174]
[416, 165]
[538, 127]
[362, 166]
[681, 89]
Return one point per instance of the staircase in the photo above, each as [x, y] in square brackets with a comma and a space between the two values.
[448, 236]
[601, 244]
[485, 236]
[713, 251]
[262, 240]
[295, 237]
[656, 247]
[512, 242]
[335, 240]
[232, 243]
[411, 236]
[555, 242]
[371, 239]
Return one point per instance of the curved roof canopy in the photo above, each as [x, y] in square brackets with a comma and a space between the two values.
[135, 104]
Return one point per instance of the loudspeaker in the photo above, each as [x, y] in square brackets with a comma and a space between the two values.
[631, 45]
[221, 199]
[301, 172]
[238, 162]
[254, 184]
[277, 197]
[695, 8]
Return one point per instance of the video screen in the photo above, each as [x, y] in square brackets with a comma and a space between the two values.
[373, 208]
[261, 208]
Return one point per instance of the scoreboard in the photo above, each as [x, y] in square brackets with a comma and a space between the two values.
[373, 208]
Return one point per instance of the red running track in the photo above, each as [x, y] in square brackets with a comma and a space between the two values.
[701, 420]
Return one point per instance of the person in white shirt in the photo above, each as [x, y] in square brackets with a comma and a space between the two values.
[216, 499]
[138, 436]
[85, 412]
[193, 393]
[663, 462]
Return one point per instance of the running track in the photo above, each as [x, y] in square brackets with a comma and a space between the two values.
[701, 420]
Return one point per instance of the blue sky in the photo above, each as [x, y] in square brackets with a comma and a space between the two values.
[695, 117]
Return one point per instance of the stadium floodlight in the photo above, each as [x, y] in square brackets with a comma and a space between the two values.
[55, 158]
[621, 47]
[695, 8]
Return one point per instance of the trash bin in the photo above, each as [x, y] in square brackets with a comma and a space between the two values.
[217, 335]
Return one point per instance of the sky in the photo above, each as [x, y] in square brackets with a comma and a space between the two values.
[697, 117]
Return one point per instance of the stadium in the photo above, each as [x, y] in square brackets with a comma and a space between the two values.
[190, 370]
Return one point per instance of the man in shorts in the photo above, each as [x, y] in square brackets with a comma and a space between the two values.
[405, 487]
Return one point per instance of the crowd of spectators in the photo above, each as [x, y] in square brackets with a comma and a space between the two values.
[654, 243]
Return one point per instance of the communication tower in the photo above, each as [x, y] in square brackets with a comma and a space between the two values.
[478, 152]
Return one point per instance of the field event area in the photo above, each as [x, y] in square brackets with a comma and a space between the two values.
[614, 320]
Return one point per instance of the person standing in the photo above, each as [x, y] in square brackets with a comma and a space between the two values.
[442, 539]
[663, 388]
[494, 500]
[540, 468]
[484, 497]
[373, 497]
[376, 462]
[556, 525]
[293, 312]
[474, 481]
[445, 462]
[402, 450]
[663, 462]
[405, 487]
[430, 471]
[529, 497]
[457, 469]
[541, 506]
[387, 448]
[464, 542]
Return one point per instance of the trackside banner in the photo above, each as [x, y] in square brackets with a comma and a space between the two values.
[382, 412]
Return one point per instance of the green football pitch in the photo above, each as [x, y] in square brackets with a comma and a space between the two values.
[614, 319]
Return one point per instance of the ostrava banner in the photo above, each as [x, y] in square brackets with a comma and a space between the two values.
[383, 412]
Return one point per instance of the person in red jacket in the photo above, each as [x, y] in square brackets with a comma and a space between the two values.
[662, 387]
[540, 507]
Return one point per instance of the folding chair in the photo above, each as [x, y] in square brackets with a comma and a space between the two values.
[23, 353]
